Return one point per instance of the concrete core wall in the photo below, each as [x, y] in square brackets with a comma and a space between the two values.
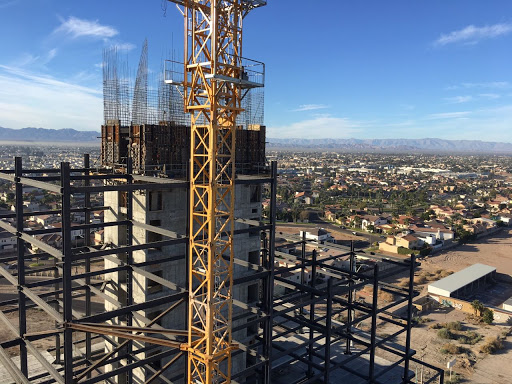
[169, 210]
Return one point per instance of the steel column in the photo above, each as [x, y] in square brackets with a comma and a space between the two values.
[129, 262]
[87, 243]
[22, 310]
[66, 269]
[412, 267]
[328, 331]
[350, 296]
[373, 331]
[312, 317]
[269, 282]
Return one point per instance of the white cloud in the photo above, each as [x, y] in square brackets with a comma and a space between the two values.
[459, 99]
[494, 123]
[493, 84]
[7, 3]
[29, 99]
[124, 46]
[27, 59]
[408, 107]
[448, 115]
[319, 127]
[50, 55]
[491, 96]
[310, 107]
[473, 35]
[405, 123]
[488, 85]
[35, 61]
[78, 27]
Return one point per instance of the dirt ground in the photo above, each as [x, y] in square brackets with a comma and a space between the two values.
[474, 366]
[494, 251]
[294, 230]
[37, 320]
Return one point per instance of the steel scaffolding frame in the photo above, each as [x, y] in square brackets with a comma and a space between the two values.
[307, 307]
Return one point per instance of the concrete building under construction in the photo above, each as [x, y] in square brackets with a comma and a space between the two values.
[134, 309]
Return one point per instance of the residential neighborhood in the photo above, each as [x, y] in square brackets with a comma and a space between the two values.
[414, 202]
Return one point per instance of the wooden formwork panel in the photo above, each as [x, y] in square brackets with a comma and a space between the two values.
[169, 144]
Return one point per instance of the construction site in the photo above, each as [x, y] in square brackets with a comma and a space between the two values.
[187, 285]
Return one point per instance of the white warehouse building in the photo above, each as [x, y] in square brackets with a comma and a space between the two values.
[463, 282]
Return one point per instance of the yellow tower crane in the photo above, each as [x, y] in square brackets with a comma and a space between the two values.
[213, 81]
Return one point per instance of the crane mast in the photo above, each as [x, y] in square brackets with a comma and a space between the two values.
[214, 80]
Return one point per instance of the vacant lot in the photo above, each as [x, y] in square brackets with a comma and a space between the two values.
[473, 365]
[493, 251]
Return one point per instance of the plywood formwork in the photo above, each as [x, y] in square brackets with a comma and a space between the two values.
[153, 146]
[114, 143]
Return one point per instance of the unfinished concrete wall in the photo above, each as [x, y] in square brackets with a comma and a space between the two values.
[169, 210]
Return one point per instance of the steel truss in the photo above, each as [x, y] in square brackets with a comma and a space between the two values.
[214, 77]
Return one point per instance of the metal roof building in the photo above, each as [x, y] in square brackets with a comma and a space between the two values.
[507, 305]
[463, 281]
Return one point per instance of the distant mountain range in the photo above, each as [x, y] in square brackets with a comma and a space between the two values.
[393, 145]
[48, 135]
[342, 145]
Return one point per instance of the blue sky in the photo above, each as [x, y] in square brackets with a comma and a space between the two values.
[338, 69]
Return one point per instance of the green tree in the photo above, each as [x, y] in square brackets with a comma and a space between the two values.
[304, 215]
[266, 212]
[488, 316]
[296, 211]
[478, 307]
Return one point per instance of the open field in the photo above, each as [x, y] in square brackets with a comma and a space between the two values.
[494, 251]
[475, 367]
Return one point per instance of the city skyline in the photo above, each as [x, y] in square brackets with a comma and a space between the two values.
[376, 70]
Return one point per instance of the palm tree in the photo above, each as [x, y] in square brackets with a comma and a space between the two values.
[478, 307]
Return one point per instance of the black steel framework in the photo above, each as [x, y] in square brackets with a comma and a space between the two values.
[307, 308]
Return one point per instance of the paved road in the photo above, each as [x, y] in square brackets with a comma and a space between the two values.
[370, 238]
[363, 240]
